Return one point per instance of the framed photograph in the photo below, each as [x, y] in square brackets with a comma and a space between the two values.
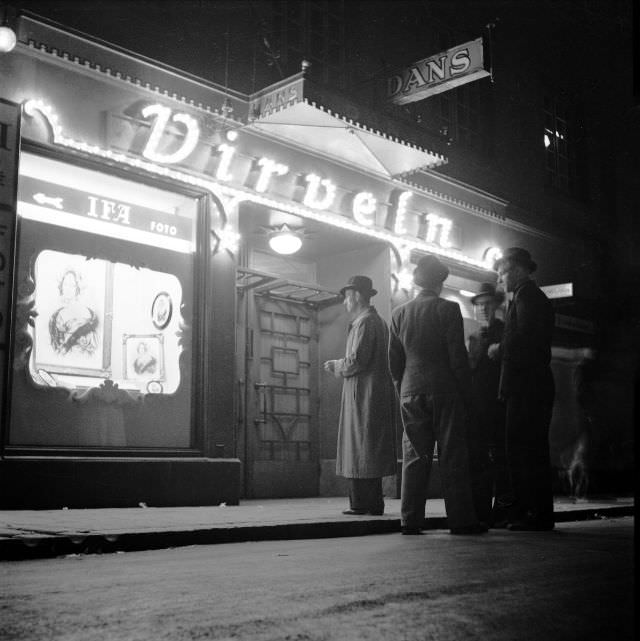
[72, 331]
[143, 357]
[161, 310]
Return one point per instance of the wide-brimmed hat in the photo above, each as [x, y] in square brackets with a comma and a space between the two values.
[429, 272]
[361, 284]
[519, 256]
[488, 290]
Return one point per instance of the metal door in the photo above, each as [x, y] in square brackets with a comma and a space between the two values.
[280, 417]
[284, 424]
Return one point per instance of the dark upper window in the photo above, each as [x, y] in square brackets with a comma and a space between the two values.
[562, 127]
[463, 116]
[312, 31]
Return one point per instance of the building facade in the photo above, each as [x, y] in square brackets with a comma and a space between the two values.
[156, 347]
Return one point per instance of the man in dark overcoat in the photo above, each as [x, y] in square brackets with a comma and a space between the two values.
[527, 387]
[429, 368]
[366, 433]
[487, 438]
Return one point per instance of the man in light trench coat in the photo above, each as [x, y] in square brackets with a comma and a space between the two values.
[366, 435]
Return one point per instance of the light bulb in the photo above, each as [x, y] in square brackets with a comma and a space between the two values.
[285, 242]
[7, 39]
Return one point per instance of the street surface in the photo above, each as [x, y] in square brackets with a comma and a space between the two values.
[575, 583]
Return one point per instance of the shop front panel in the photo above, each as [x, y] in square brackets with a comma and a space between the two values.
[103, 341]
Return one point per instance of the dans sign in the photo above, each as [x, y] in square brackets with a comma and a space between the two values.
[433, 75]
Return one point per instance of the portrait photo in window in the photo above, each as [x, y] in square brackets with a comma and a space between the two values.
[143, 357]
[161, 310]
[72, 329]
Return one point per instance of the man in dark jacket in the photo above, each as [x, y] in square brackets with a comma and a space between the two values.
[430, 371]
[527, 387]
[487, 447]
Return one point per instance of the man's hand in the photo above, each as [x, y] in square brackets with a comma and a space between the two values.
[493, 352]
[330, 366]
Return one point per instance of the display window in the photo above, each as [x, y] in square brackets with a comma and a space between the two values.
[104, 332]
[82, 333]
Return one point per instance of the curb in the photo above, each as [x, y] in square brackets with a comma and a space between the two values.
[34, 547]
[593, 514]
[39, 547]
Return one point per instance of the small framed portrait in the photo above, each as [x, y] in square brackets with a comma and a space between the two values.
[143, 357]
[161, 310]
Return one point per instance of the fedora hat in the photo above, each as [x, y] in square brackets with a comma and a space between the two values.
[429, 272]
[519, 256]
[361, 284]
[488, 290]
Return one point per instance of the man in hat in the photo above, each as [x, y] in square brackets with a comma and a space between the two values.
[366, 434]
[430, 371]
[487, 430]
[527, 387]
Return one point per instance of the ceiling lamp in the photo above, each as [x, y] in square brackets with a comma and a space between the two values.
[7, 39]
[285, 240]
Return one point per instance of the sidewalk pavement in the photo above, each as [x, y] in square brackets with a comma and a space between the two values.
[47, 533]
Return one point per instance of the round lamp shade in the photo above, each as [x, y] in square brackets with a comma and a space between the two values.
[7, 39]
[285, 242]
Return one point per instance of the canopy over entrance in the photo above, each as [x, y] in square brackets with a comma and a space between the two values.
[297, 111]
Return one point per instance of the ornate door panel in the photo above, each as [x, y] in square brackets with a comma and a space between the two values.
[284, 371]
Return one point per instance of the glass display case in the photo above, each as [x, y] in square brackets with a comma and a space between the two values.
[104, 324]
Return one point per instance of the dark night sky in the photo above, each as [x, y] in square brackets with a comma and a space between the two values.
[178, 32]
[188, 34]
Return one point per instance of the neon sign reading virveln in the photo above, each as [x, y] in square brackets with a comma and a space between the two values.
[171, 144]
[318, 193]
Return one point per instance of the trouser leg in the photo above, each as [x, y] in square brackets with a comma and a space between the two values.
[366, 494]
[453, 459]
[502, 491]
[538, 482]
[528, 418]
[501, 483]
[417, 457]
[480, 468]
[415, 481]
[517, 425]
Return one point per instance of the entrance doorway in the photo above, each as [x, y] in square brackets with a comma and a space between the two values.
[280, 427]
[289, 321]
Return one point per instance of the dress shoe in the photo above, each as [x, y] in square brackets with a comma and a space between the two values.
[410, 531]
[529, 525]
[357, 512]
[476, 528]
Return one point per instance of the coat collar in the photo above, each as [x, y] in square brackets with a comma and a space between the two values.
[525, 283]
[365, 312]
